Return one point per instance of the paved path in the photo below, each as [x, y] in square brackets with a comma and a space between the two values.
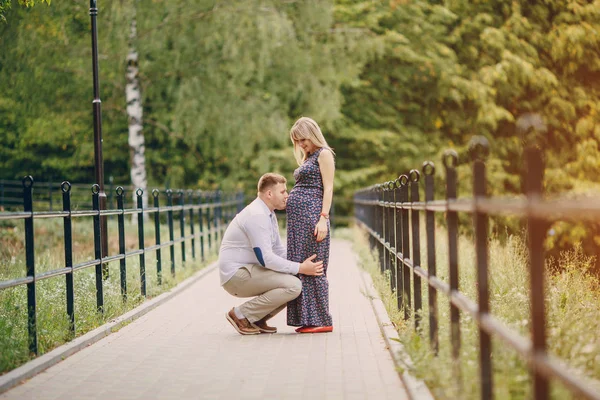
[185, 349]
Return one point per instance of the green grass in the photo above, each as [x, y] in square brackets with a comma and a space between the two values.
[52, 320]
[572, 309]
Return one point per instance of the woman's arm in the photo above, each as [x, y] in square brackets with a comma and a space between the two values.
[327, 167]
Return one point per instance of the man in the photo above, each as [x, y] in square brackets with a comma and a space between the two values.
[252, 261]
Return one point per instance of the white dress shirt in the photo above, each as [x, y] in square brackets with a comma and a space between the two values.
[252, 237]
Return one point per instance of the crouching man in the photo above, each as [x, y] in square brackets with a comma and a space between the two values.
[252, 261]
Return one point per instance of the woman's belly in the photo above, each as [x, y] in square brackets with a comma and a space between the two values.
[305, 201]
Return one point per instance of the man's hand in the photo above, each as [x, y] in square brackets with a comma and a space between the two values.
[308, 267]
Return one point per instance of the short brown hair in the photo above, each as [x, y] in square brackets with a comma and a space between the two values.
[268, 180]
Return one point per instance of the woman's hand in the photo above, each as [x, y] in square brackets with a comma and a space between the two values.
[321, 229]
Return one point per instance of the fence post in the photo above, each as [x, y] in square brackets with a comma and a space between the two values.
[369, 196]
[97, 247]
[450, 160]
[171, 234]
[122, 250]
[398, 265]
[480, 220]
[384, 230]
[155, 194]
[217, 216]
[30, 265]
[390, 228]
[405, 247]
[389, 216]
[536, 234]
[50, 195]
[233, 207]
[379, 227]
[372, 216]
[68, 241]
[429, 171]
[191, 203]
[201, 222]
[415, 176]
[226, 209]
[208, 221]
[182, 225]
[394, 227]
[140, 205]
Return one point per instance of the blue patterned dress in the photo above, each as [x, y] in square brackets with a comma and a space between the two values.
[304, 206]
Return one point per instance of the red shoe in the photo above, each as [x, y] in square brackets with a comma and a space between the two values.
[314, 329]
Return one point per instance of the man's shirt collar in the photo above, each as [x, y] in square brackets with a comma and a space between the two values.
[266, 207]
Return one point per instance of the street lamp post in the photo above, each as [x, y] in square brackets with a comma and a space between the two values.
[98, 160]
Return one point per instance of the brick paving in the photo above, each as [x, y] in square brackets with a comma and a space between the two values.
[185, 349]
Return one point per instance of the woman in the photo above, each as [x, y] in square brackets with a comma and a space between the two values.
[308, 224]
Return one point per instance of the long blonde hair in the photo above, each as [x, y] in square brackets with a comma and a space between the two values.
[307, 128]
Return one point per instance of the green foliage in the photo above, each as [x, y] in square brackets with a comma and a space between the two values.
[462, 68]
[451, 70]
[223, 84]
[392, 83]
[46, 93]
[6, 4]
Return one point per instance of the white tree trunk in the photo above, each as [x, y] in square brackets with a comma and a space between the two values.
[134, 112]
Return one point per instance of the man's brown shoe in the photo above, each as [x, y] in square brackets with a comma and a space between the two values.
[263, 327]
[241, 325]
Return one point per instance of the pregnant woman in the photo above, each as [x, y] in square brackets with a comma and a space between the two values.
[308, 230]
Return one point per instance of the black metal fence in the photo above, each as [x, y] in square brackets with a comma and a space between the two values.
[48, 195]
[210, 212]
[390, 213]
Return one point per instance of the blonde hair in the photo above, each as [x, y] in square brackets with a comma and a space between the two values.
[268, 180]
[307, 128]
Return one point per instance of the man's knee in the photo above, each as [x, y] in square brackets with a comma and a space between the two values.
[295, 287]
[232, 291]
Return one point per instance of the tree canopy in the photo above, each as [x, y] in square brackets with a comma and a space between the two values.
[6, 4]
[392, 83]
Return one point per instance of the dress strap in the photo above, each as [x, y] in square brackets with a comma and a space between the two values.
[316, 153]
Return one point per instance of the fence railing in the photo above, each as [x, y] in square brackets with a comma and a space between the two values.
[48, 195]
[209, 211]
[383, 211]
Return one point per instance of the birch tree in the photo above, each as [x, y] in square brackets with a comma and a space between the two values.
[135, 113]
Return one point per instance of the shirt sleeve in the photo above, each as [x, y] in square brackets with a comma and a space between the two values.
[258, 229]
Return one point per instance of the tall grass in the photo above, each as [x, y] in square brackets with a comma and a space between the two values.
[52, 320]
[572, 310]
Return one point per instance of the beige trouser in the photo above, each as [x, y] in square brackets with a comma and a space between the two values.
[272, 290]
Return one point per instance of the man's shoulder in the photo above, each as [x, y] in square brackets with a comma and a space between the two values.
[257, 207]
[254, 210]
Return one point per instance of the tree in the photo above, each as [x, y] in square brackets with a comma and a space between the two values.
[5, 5]
[223, 83]
[46, 93]
[133, 97]
[454, 69]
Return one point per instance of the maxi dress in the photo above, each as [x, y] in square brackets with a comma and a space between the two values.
[304, 206]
